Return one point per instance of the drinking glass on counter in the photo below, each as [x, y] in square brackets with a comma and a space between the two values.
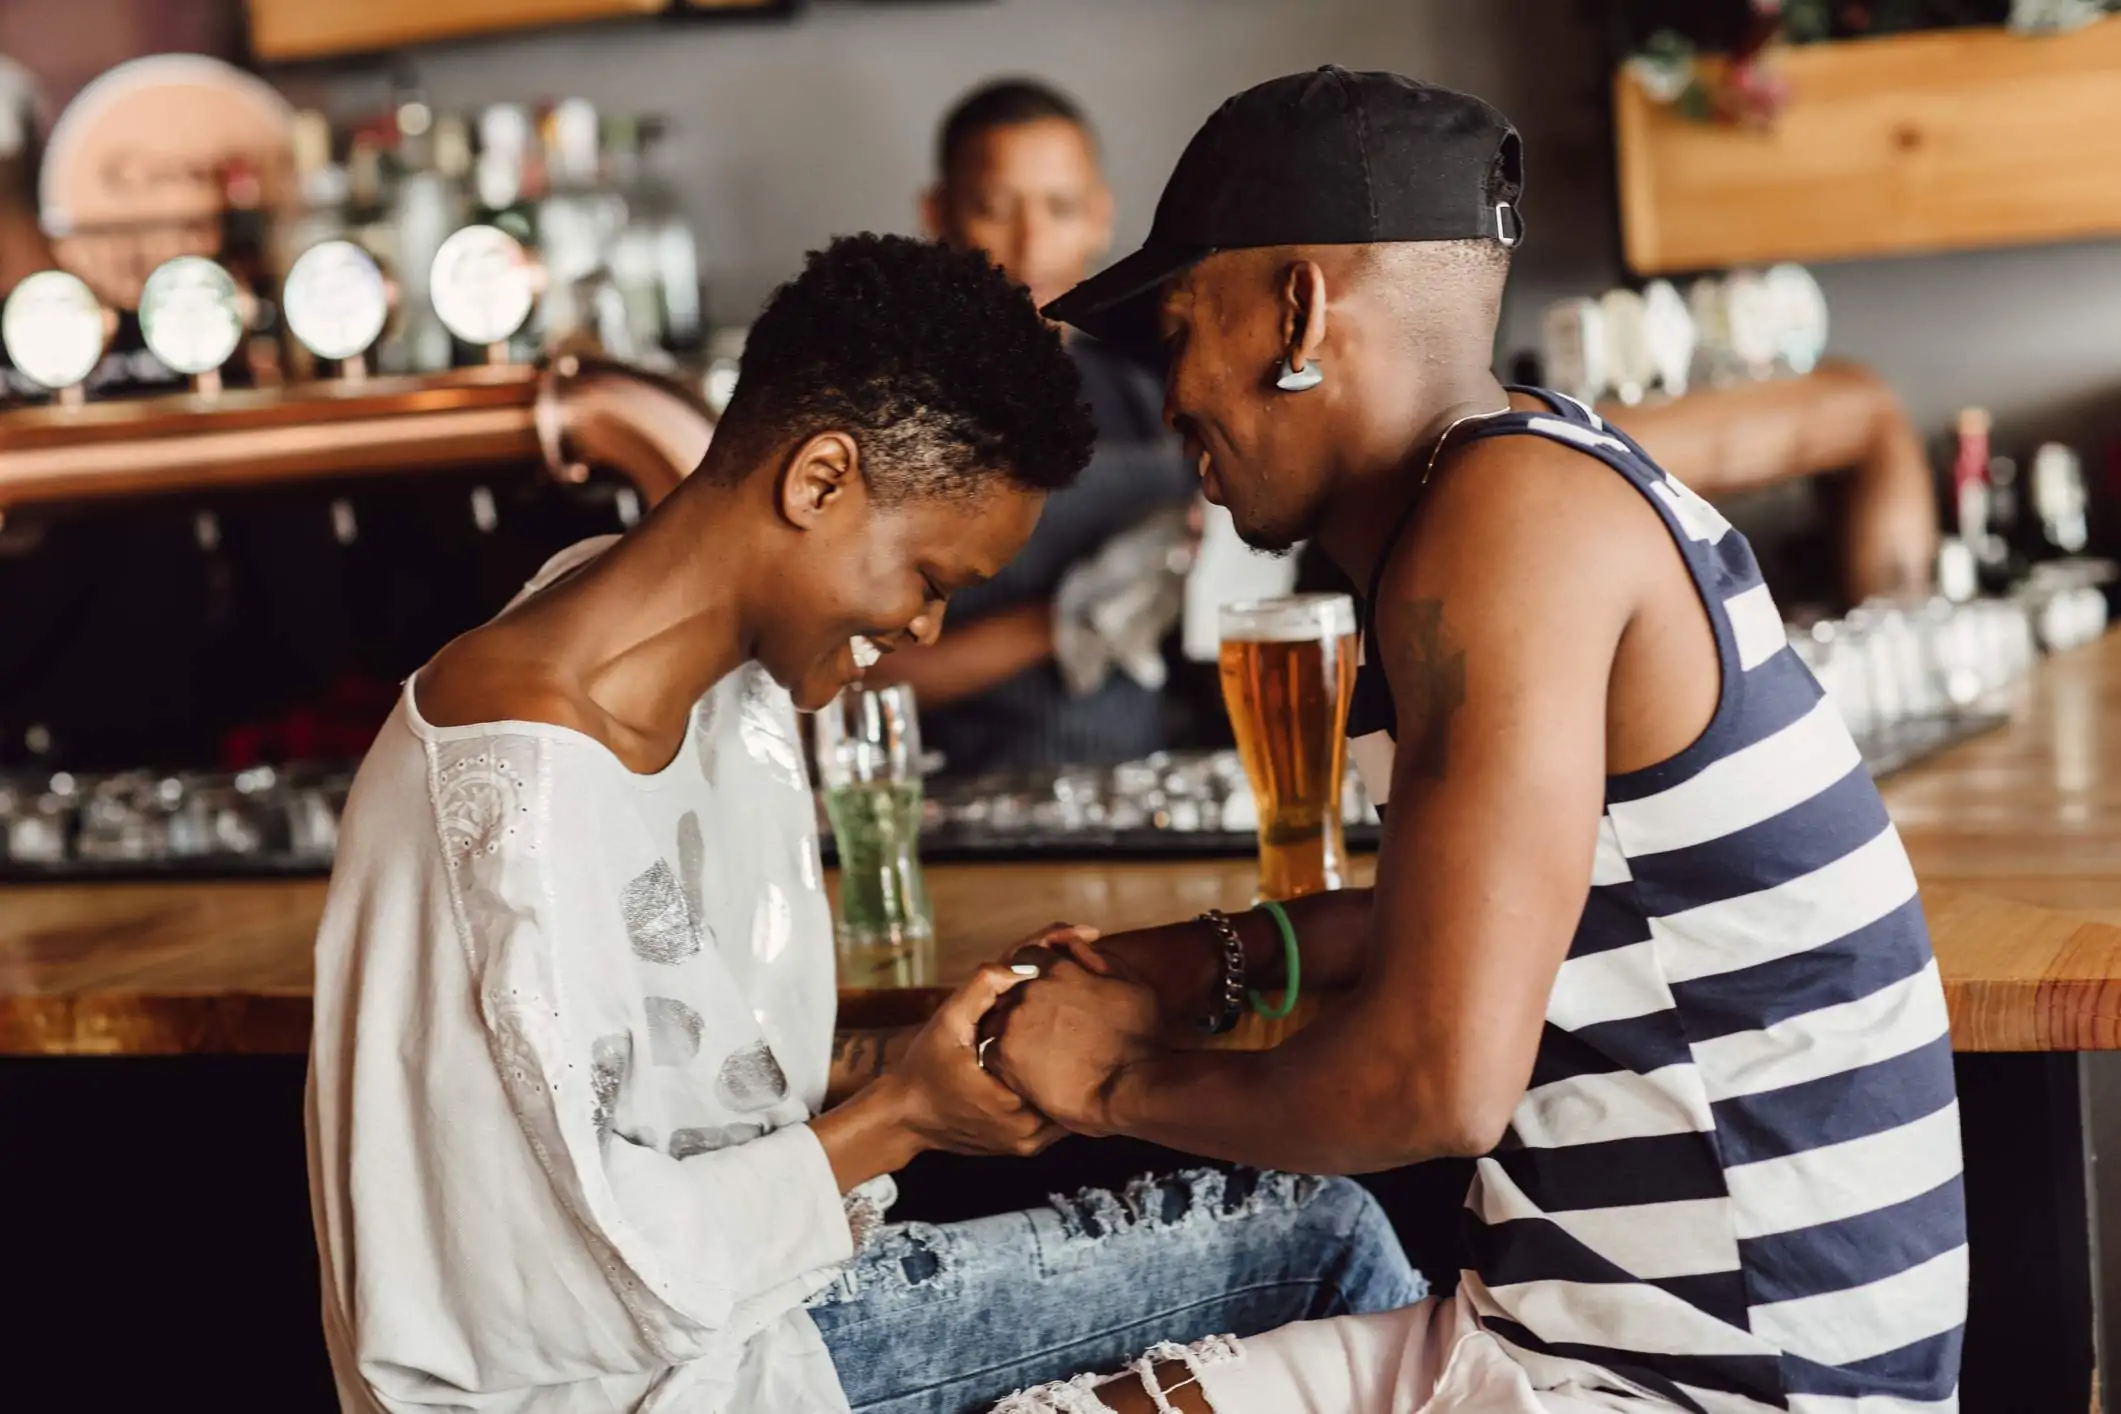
[1288, 672]
[868, 762]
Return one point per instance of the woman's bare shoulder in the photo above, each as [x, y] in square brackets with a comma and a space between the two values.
[482, 677]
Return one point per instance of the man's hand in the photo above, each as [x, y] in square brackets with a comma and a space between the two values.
[1177, 964]
[1068, 1035]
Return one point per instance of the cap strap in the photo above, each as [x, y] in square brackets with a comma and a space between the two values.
[1509, 226]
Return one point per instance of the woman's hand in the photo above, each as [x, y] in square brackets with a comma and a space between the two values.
[933, 1095]
[951, 1103]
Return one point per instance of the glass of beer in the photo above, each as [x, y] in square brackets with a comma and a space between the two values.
[1288, 670]
[868, 763]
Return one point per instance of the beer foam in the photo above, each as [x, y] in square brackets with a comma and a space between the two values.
[1294, 618]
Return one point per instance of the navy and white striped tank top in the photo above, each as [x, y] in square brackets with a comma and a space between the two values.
[1734, 1181]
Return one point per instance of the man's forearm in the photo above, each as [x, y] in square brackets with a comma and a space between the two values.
[1184, 963]
[968, 660]
[1891, 544]
[1315, 1104]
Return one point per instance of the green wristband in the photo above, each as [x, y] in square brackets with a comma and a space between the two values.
[1291, 964]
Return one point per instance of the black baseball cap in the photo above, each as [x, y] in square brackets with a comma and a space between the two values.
[1323, 158]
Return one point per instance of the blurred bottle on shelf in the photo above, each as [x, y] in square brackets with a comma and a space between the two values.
[248, 255]
[428, 201]
[2060, 501]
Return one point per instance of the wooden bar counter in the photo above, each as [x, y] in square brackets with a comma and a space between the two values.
[2016, 837]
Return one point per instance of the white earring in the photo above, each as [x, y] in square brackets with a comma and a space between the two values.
[1298, 380]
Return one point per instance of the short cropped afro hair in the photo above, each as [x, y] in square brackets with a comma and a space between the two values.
[935, 363]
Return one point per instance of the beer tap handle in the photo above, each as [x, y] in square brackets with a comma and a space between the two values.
[484, 286]
[338, 301]
[55, 332]
[191, 315]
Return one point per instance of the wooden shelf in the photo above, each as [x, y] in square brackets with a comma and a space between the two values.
[309, 29]
[1951, 140]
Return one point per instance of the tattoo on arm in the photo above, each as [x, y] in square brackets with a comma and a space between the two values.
[1430, 685]
[860, 1055]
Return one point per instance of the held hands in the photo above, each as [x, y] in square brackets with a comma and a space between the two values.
[1177, 963]
[948, 1101]
[1068, 1035]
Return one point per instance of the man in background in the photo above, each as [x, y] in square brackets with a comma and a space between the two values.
[1017, 176]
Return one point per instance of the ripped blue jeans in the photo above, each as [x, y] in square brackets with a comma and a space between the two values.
[948, 1320]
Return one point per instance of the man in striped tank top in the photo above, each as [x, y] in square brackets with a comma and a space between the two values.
[1643, 940]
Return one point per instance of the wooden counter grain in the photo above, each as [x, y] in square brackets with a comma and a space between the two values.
[2016, 837]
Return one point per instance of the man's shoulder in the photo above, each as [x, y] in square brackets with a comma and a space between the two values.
[1530, 505]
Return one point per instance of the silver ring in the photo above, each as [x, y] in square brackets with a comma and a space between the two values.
[979, 1052]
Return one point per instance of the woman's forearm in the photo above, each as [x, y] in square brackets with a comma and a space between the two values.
[868, 1135]
[862, 1056]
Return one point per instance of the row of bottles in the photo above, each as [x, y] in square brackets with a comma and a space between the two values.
[576, 187]
[2023, 532]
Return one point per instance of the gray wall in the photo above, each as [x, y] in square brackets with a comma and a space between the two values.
[785, 134]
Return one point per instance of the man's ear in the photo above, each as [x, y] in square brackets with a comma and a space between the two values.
[1303, 312]
[932, 211]
[820, 475]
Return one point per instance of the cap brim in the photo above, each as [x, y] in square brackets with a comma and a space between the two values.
[1118, 304]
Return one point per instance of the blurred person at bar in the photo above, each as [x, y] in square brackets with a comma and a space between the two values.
[1869, 526]
[581, 1134]
[1644, 942]
[1018, 176]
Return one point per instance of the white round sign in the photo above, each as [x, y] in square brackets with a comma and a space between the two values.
[335, 299]
[1800, 315]
[483, 284]
[1671, 334]
[191, 315]
[1712, 317]
[1573, 347]
[1630, 362]
[53, 329]
[1756, 332]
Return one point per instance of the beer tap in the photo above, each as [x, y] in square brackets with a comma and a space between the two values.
[337, 301]
[192, 317]
[55, 330]
[484, 285]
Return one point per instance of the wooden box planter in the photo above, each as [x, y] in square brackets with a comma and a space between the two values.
[1949, 140]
